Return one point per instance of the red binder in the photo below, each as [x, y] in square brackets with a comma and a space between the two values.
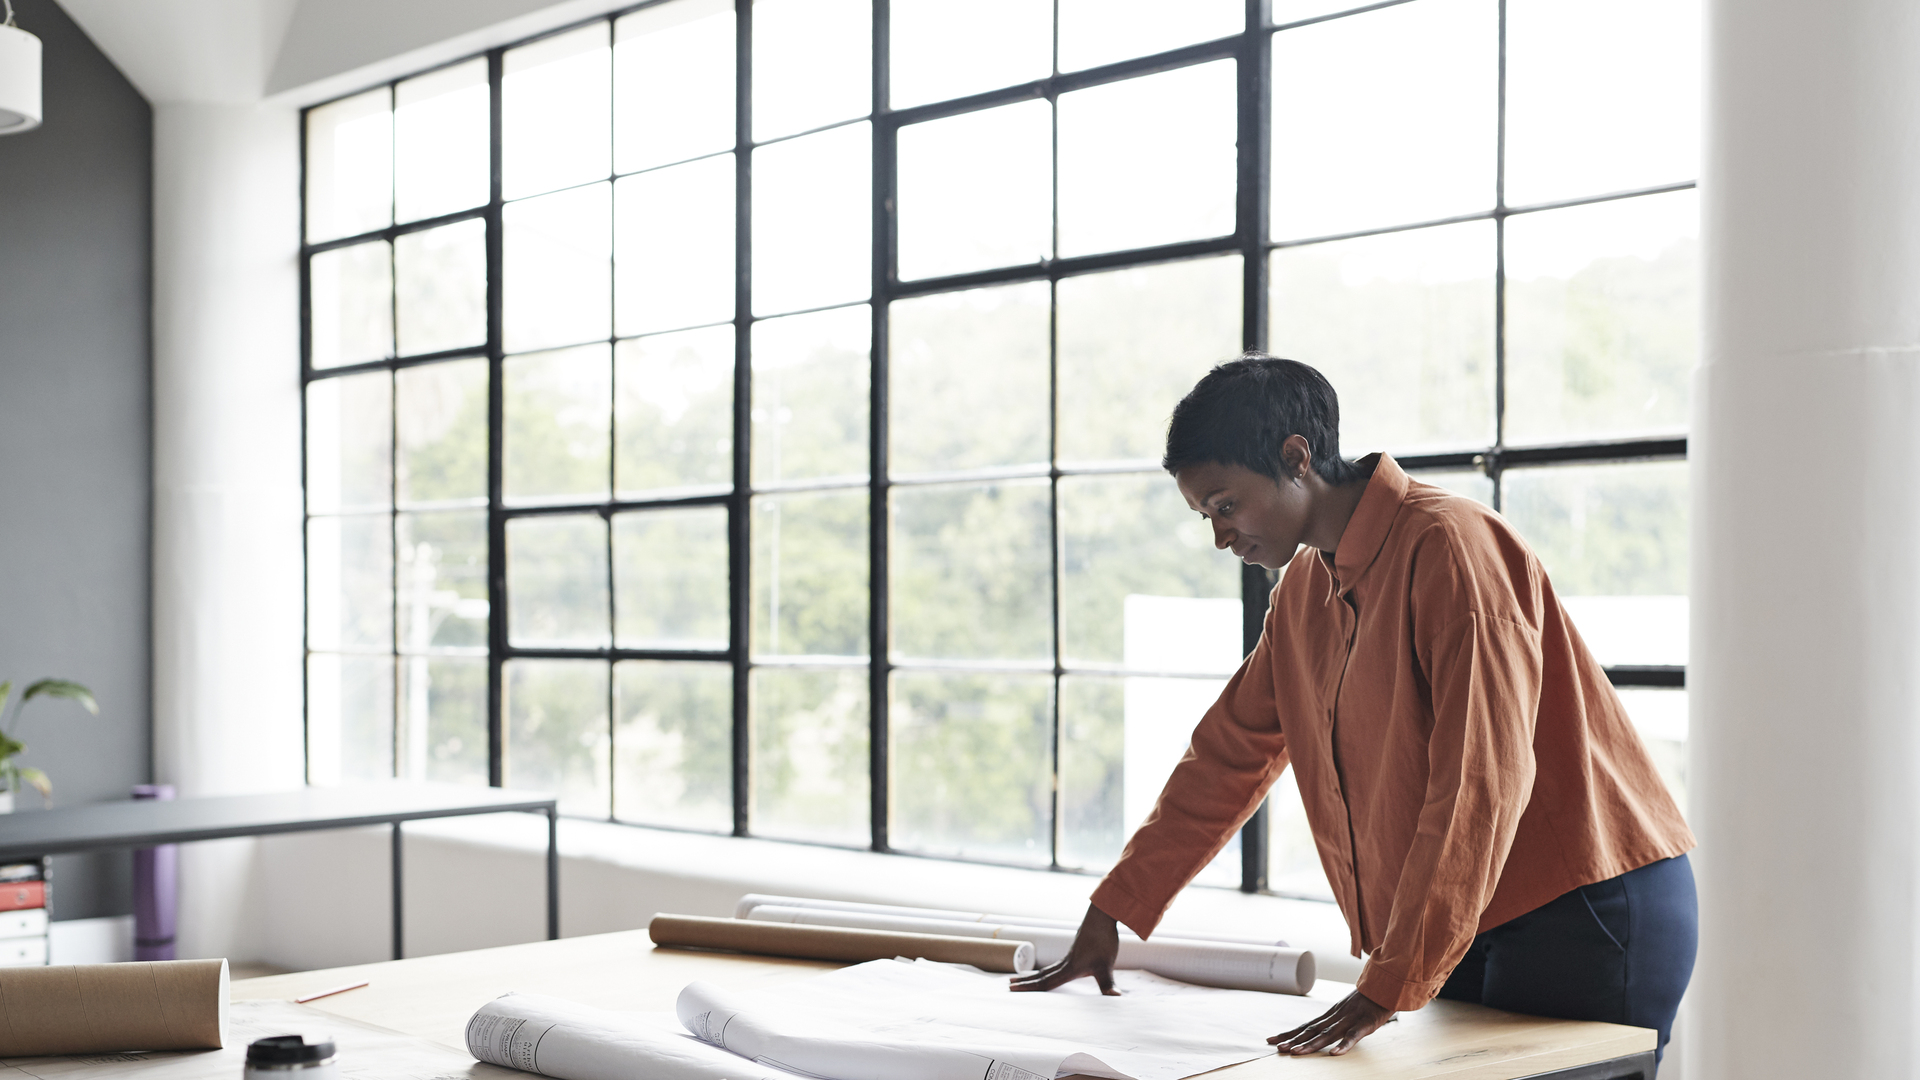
[16, 895]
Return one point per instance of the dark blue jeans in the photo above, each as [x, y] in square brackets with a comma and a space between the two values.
[1619, 950]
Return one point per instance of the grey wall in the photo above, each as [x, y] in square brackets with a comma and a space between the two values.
[75, 434]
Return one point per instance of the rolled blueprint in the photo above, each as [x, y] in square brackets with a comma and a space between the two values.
[753, 900]
[716, 1019]
[105, 1008]
[851, 944]
[1203, 963]
[570, 1041]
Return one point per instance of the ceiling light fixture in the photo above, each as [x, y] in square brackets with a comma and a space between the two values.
[19, 77]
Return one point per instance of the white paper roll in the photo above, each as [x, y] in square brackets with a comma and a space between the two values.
[1204, 963]
[752, 900]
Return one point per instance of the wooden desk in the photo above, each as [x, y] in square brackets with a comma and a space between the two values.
[432, 996]
[145, 823]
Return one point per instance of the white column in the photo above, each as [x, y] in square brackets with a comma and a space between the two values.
[227, 565]
[1805, 669]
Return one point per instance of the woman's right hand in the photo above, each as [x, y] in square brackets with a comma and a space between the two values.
[1094, 950]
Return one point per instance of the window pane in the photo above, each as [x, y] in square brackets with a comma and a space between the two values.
[556, 102]
[1132, 343]
[674, 248]
[556, 713]
[557, 581]
[1601, 96]
[1119, 741]
[1603, 318]
[972, 768]
[1614, 542]
[1385, 118]
[673, 746]
[351, 292]
[349, 718]
[1293, 858]
[972, 571]
[440, 142]
[811, 375]
[443, 719]
[1472, 483]
[672, 83]
[442, 424]
[976, 191]
[1148, 161]
[350, 443]
[810, 574]
[1402, 326]
[1661, 718]
[350, 582]
[558, 408]
[812, 64]
[939, 53]
[1142, 583]
[968, 379]
[670, 578]
[1092, 772]
[673, 396]
[441, 302]
[559, 269]
[350, 166]
[810, 755]
[812, 220]
[1095, 32]
[443, 580]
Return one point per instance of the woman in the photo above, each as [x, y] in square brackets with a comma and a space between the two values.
[1493, 829]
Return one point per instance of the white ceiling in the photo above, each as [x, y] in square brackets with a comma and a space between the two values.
[300, 51]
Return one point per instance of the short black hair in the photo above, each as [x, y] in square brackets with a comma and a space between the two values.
[1242, 411]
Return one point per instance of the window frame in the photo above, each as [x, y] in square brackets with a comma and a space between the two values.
[1250, 49]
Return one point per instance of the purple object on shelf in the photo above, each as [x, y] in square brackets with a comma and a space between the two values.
[156, 893]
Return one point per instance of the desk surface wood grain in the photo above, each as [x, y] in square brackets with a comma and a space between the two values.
[432, 996]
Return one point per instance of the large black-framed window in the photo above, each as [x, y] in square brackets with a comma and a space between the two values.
[658, 367]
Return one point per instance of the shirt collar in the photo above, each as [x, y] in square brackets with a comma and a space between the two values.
[1366, 531]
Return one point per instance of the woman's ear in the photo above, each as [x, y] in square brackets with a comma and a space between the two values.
[1296, 458]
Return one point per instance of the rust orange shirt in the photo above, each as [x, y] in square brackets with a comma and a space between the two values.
[1462, 756]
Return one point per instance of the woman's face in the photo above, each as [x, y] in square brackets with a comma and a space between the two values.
[1260, 521]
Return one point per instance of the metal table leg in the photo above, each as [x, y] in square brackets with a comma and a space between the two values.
[398, 925]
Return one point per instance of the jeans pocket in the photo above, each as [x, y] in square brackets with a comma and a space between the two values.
[1607, 902]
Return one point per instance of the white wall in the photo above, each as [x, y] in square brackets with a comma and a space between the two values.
[227, 567]
[1805, 672]
[477, 882]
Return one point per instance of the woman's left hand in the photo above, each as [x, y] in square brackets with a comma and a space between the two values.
[1337, 1030]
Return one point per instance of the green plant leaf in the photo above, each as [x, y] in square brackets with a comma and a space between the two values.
[10, 746]
[36, 780]
[62, 688]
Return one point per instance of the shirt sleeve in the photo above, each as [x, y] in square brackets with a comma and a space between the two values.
[1236, 754]
[1485, 671]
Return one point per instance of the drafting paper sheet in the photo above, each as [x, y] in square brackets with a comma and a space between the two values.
[887, 1019]
[570, 1041]
[365, 1053]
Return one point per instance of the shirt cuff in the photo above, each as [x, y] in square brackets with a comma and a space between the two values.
[1138, 915]
[1390, 991]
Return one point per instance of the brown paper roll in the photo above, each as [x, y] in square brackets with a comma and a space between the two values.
[837, 943]
[105, 1008]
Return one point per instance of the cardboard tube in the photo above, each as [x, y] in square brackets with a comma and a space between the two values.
[107, 1008]
[837, 943]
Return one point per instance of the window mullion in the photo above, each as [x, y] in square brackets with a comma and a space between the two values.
[496, 425]
[885, 141]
